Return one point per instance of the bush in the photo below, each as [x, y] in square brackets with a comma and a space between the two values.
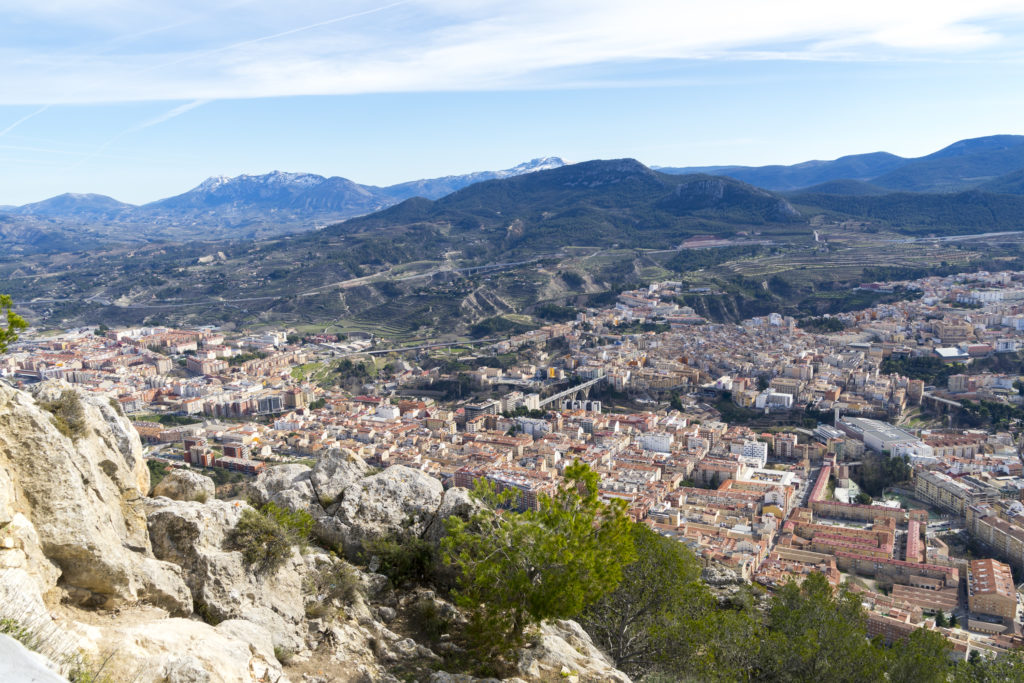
[266, 536]
[404, 558]
[427, 617]
[330, 584]
[68, 414]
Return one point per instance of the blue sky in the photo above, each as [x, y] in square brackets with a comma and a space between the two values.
[145, 100]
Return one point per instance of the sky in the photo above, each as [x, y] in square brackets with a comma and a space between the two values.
[143, 100]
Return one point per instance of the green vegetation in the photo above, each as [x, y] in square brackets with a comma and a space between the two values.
[14, 322]
[405, 559]
[246, 357]
[157, 471]
[170, 420]
[928, 368]
[68, 415]
[992, 414]
[571, 278]
[516, 569]
[266, 536]
[879, 471]
[646, 621]
[825, 324]
[329, 588]
[497, 325]
[555, 313]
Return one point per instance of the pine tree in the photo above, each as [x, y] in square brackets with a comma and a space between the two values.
[15, 322]
[516, 569]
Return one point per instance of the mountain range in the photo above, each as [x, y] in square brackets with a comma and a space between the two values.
[990, 163]
[976, 183]
[247, 206]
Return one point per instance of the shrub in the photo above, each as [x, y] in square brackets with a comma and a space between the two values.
[326, 586]
[67, 414]
[266, 536]
[427, 618]
[404, 558]
[283, 654]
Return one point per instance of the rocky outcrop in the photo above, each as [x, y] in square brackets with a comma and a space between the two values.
[195, 536]
[349, 507]
[17, 663]
[78, 533]
[457, 502]
[398, 500]
[183, 484]
[189, 651]
[334, 473]
[82, 496]
[563, 650]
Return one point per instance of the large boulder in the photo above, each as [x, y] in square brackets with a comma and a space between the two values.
[80, 485]
[18, 663]
[397, 500]
[285, 486]
[180, 484]
[196, 537]
[457, 502]
[334, 473]
[563, 649]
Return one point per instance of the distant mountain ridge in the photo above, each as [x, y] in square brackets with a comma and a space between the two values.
[963, 165]
[245, 206]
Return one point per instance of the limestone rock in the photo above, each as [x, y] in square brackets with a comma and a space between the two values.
[457, 502]
[195, 536]
[399, 499]
[83, 497]
[181, 484]
[335, 472]
[564, 644]
[188, 651]
[719, 575]
[286, 486]
[18, 663]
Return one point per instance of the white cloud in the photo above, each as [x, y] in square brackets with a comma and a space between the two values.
[255, 48]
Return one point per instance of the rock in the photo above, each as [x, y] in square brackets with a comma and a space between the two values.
[187, 651]
[564, 645]
[335, 472]
[195, 536]
[83, 497]
[718, 575]
[398, 500]
[386, 614]
[457, 502]
[18, 663]
[181, 484]
[286, 486]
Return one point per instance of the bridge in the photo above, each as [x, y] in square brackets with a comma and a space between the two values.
[573, 391]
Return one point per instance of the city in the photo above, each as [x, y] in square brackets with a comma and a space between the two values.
[771, 450]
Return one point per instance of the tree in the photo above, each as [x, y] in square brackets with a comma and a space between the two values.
[15, 323]
[940, 619]
[516, 569]
[818, 634]
[645, 624]
[921, 657]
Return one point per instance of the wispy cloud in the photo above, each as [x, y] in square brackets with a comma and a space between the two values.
[23, 119]
[265, 49]
[166, 116]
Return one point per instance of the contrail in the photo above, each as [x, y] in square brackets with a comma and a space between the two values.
[166, 116]
[23, 119]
